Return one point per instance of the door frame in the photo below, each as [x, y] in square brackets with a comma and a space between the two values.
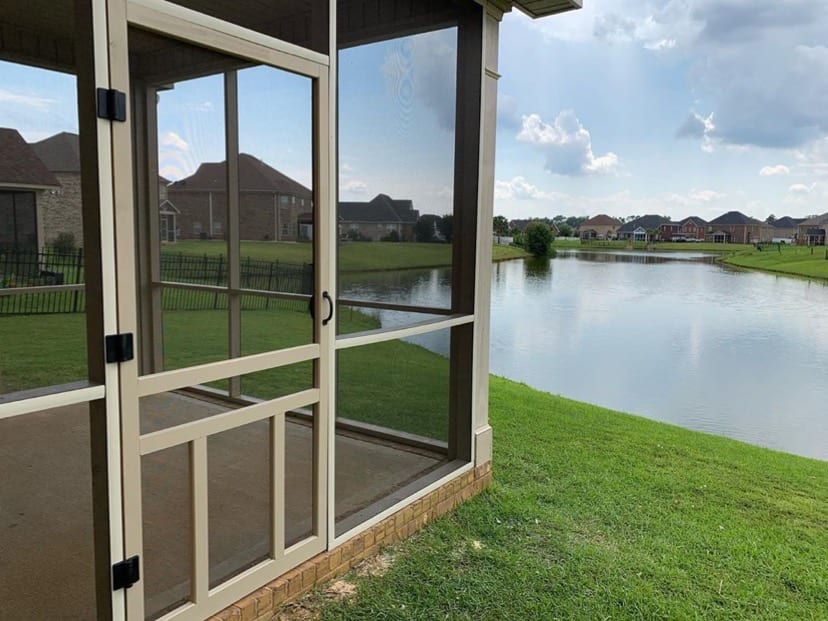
[177, 22]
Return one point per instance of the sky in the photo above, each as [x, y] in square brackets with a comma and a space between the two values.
[672, 107]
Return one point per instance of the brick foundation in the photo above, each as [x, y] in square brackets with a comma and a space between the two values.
[264, 603]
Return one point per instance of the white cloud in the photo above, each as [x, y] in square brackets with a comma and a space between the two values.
[694, 197]
[520, 189]
[355, 187]
[29, 101]
[660, 45]
[173, 140]
[566, 144]
[699, 127]
[770, 171]
[801, 188]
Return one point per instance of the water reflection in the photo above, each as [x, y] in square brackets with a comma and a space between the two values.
[675, 338]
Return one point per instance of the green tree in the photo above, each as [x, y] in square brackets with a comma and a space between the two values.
[538, 237]
[500, 226]
[446, 227]
[565, 230]
[425, 228]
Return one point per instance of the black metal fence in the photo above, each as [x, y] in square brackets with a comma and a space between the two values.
[20, 271]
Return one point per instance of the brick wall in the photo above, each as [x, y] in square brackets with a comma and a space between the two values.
[60, 211]
[265, 603]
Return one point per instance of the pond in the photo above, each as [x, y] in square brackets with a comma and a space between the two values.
[674, 337]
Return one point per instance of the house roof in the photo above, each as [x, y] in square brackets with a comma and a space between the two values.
[601, 220]
[787, 222]
[696, 220]
[733, 217]
[254, 176]
[19, 164]
[60, 153]
[815, 220]
[381, 208]
[645, 222]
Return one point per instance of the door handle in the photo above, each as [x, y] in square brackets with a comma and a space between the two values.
[330, 308]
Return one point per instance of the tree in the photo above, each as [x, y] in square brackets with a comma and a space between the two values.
[446, 227]
[770, 219]
[424, 230]
[538, 236]
[565, 230]
[500, 226]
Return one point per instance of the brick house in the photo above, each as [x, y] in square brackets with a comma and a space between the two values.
[811, 232]
[601, 226]
[27, 187]
[270, 203]
[691, 228]
[734, 227]
[784, 230]
[377, 219]
[645, 228]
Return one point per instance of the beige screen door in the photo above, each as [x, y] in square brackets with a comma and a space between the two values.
[225, 413]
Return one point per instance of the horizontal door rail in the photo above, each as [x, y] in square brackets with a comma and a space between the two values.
[194, 430]
[427, 310]
[187, 286]
[166, 381]
[370, 337]
[39, 399]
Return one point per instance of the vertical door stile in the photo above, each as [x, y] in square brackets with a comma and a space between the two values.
[125, 287]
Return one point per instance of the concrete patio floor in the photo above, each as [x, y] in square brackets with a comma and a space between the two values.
[46, 551]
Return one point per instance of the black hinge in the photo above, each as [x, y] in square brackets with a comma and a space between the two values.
[119, 347]
[111, 104]
[126, 573]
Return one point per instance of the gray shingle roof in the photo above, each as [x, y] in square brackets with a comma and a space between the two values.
[733, 217]
[645, 222]
[60, 153]
[815, 220]
[601, 220]
[381, 208]
[20, 165]
[698, 221]
[254, 176]
[787, 222]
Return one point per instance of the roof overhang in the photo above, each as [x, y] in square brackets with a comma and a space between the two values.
[542, 8]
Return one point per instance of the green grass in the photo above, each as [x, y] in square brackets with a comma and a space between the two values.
[599, 515]
[785, 259]
[657, 246]
[353, 256]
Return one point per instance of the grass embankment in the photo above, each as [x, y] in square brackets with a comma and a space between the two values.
[804, 261]
[599, 515]
[353, 256]
[657, 246]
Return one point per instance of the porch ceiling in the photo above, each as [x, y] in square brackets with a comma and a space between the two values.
[542, 8]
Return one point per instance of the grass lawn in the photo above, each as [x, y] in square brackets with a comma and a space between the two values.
[657, 246]
[599, 515]
[354, 256]
[785, 259]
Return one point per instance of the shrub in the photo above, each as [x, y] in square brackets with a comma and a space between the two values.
[64, 243]
[393, 236]
[537, 237]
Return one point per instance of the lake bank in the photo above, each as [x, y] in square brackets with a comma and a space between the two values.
[596, 514]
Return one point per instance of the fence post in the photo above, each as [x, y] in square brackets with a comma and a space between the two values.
[218, 279]
[78, 267]
[269, 286]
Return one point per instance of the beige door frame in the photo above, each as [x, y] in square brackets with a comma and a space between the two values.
[180, 23]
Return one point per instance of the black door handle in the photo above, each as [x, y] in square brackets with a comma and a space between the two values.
[330, 308]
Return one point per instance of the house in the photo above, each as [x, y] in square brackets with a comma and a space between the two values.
[521, 224]
[784, 230]
[734, 227]
[217, 438]
[645, 228]
[269, 209]
[26, 187]
[601, 226]
[380, 218]
[691, 228]
[811, 231]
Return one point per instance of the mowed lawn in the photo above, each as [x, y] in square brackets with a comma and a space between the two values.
[353, 256]
[595, 514]
[810, 262]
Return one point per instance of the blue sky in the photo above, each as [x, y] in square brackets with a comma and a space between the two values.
[675, 107]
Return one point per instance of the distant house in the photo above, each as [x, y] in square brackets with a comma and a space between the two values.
[378, 218]
[784, 230]
[735, 227]
[601, 226]
[811, 232]
[26, 186]
[691, 228]
[645, 228]
[270, 203]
